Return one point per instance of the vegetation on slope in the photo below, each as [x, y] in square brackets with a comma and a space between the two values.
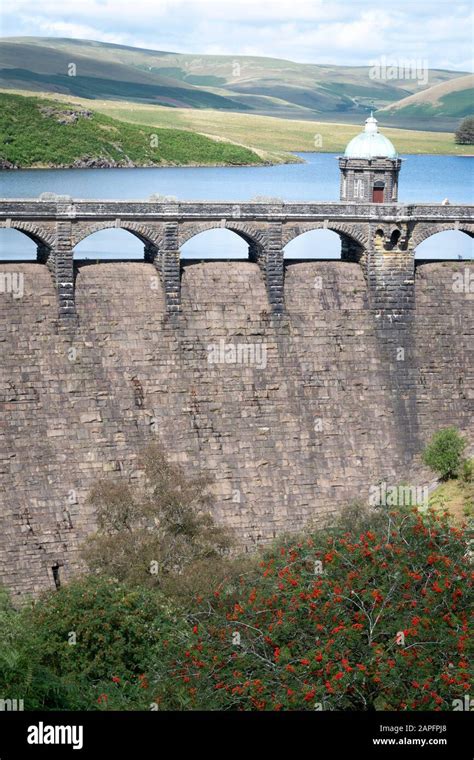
[264, 133]
[44, 67]
[162, 535]
[455, 492]
[440, 103]
[465, 133]
[36, 132]
[456, 497]
[273, 134]
[268, 86]
[370, 613]
[444, 453]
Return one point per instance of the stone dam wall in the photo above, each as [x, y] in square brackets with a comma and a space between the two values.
[332, 412]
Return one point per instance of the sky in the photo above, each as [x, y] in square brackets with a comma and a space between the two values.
[438, 33]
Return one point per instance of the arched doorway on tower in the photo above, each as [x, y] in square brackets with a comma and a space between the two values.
[378, 191]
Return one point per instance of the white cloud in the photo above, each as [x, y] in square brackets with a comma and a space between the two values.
[78, 31]
[317, 31]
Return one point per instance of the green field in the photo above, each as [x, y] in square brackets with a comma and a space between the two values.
[273, 134]
[40, 132]
[275, 137]
[125, 134]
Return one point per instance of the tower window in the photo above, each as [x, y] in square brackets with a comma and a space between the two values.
[358, 188]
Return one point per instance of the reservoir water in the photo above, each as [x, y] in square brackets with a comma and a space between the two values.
[422, 179]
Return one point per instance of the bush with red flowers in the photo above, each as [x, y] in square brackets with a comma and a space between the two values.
[348, 619]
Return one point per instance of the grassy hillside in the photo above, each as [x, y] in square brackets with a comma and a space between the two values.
[273, 134]
[455, 496]
[268, 134]
[40, 132]
[266, 86]
[38, 67]
[448, 99]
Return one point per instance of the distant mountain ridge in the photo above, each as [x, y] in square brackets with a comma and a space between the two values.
[454, 97]
[247, 84]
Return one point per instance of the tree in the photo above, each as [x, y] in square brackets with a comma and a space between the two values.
[349, 619]
[444, 452]
[465, 133]
[86, 647]
[155, 533]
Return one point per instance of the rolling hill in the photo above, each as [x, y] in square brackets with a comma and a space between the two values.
[245, 84]
[274, 139]
[454, 98]
[38, 67]
[38, 132]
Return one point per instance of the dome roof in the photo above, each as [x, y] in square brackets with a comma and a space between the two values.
[370, 143]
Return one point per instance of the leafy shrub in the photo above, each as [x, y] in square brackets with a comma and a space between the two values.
[16, 666]
[162, 535]
[23, 675]
[87, 646]
[465, 134]
[338, 621]
[467, 471]
[96, 627]
[370, 614]
[444, 452]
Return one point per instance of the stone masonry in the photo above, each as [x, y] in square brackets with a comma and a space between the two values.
[364, 359]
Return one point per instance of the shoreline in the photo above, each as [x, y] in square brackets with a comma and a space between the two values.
[147, 166]
[264, 164]
[190, 165]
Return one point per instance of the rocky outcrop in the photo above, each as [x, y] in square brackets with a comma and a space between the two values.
[100, 162]
[65, 115]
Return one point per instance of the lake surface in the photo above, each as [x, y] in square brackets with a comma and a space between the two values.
[422, 179]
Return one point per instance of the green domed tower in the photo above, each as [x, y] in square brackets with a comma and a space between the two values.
[370, 167]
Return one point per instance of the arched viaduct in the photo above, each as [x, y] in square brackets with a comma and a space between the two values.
[381, 237]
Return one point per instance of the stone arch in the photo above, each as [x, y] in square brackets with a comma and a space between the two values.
[319, 243]
[145, 234]
[467, 228]
[390, 236]
[355, 234]
[253, 237]
[39, 235]
[424, 231]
